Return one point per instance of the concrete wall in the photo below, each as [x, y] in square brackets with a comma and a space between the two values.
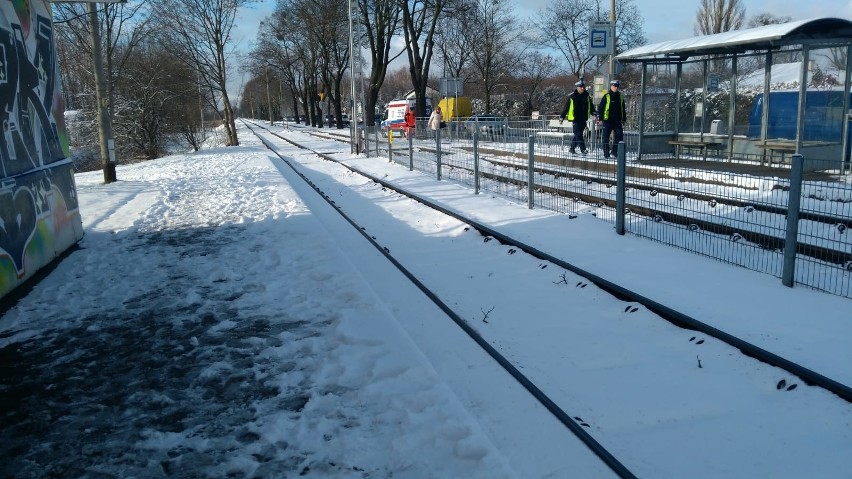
[39, 214]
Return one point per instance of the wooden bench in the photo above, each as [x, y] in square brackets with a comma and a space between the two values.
[557, 130]
[778, 146]
[700, 145]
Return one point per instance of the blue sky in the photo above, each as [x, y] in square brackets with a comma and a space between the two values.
[664, 19]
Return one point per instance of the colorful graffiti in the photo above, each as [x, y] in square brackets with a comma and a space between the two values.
[39, 214]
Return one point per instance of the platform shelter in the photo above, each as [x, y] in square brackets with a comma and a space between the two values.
[759, 94]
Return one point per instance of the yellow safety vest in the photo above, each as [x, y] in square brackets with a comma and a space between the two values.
[570, 115]
[606, 107]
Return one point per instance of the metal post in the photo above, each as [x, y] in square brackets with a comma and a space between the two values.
[676, 125]
[200, 103]
[475, 162]
[269, 101]
[438, 152]
[364, 134]
[764, 117]
[844, 165]
[803, 100]
[704, 106]
[354, 111]
[791, 240]
[531, 172]
[612, 31]
[620, 174]
[410, 152]
[732, 107]
[642, 110]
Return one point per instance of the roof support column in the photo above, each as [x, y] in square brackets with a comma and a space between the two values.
[732, 107]
[642, 109]
[847, 119]
[803, 99]
[677, 100]
[764, 120]
[703, 100]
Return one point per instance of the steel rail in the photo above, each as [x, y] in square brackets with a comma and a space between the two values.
[675, 317]
[563, 417]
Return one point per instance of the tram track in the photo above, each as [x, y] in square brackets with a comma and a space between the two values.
[669, 314]
[561, 415]
[673, 316]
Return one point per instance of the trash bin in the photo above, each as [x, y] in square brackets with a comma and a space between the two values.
[717, 127]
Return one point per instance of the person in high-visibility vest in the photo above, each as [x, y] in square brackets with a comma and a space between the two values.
[611, 113]
[578, 109]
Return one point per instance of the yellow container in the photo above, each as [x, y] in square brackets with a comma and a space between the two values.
[453, 108]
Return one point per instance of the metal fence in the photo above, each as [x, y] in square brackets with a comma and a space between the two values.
[736, 213]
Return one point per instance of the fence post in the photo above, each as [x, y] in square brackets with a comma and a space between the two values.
[531, 172]
[620, 174]
[364, 141]
[410, 152]
[791, 241]
[475, 162]
[438, 151]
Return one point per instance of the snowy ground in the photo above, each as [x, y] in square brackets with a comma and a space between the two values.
[220, 321]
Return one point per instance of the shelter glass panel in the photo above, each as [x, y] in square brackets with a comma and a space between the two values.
[660, 99]
[750, 73]
[718, 99]
[691, 103]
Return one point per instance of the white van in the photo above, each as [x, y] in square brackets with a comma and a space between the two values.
[395, 113]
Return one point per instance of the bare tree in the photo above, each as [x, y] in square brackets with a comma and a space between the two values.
[628, 25]
[419, 22]
[160, 102]
[766, 18]
[747, 65]
[397, 83]
[496, 38]
[717, 16]
[380, 19]
[566, 27]
[280, 49]
[302, 44]
[837, 57]
[452, 41]
[329, 22]
[533, 70]
[321, 28]
[121, 28]
[199, 31]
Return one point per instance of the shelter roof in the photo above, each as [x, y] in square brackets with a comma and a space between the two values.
[769, 37]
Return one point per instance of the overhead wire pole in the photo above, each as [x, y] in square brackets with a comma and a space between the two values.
[269, 99]
[353, 121]
[104, 120]
[200, 103]
[612, 22]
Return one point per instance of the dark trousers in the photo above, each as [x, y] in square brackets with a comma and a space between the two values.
[617, 132]
[579, 128]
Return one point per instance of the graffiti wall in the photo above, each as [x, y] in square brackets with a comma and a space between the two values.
[39, 215]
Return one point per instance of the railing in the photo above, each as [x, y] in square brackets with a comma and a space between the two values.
[708, 209]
